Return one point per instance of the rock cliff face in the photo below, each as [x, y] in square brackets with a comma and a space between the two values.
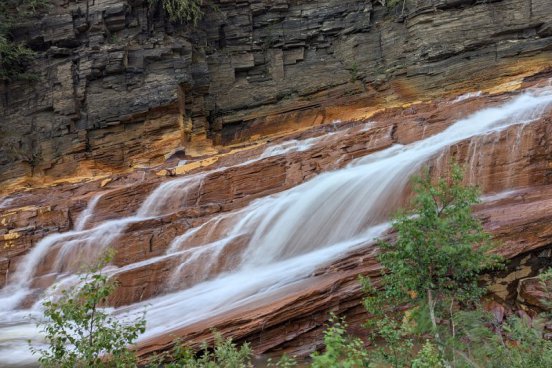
[120, 86]
[260, 97]
[292, 319]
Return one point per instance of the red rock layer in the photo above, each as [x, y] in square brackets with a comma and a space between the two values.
[517, 157]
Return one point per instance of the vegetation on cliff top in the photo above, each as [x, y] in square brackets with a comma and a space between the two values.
[184, 11]
[15, 57]
[425, 313]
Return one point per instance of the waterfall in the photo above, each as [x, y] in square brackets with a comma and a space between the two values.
[467, 96]
[249, 255]
[86, 215]
[175, 192]
[80, 246]
[289, 146]
[294, 232]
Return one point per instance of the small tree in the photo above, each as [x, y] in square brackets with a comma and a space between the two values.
[79, 333]
[436, 260]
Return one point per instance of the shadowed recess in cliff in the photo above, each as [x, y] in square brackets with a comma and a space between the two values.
[281, 239]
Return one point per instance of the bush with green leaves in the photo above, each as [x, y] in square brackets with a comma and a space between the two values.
[285, 361]
[224, 354]
[390, 335]
[80, 333]
[15, 57]
[516, 342]
[439, 254]
[340, 349]
[184, 11]
[391, 3]
[545, 278]
[14, 60]
[428, 357]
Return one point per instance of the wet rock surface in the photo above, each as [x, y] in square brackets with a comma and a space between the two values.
[512, 167]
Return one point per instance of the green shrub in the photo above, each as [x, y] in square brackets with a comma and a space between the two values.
[516, 343]
[224, 354]
[428, 357]
[545, 279]
[340, 349]
[80, 334]
[392, 3]
[14, 60]
[285, 361]
[185, 11]
[16, 57]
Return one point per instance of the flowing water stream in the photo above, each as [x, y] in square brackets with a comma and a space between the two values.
[251, 254]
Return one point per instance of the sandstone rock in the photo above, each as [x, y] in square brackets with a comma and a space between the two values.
[497, 310]
[516, 157]
[120, 86]
[534, 292]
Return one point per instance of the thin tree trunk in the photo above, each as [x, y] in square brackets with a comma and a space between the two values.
[452, 327]
[431, 304]
[440, 345]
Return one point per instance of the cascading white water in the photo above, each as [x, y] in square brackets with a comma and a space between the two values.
[296, 231]
[78, 247]
[75, 249]
[6, 202]
[287, 236]
[336, 206]
[467, 96]
[175, 191]
[86, 215]
[289, 146]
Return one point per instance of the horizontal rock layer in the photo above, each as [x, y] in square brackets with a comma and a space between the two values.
[120, 86]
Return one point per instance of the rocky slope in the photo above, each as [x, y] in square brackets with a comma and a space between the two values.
[512, 166]
[120, 86]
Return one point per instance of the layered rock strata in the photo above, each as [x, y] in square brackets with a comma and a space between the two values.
[120, 86]
[512, 167]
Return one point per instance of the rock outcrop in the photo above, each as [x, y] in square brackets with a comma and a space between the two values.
[120, 86]
[293, 321]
